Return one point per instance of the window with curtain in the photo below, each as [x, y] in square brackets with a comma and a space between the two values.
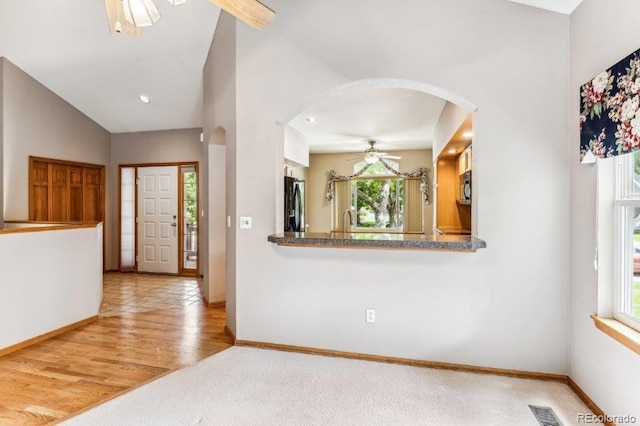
[379, 201]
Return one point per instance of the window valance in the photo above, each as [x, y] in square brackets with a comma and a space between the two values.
[610, 111]
[422, 173]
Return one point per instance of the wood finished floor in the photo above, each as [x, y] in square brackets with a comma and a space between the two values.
[61, 376]
[143, 292]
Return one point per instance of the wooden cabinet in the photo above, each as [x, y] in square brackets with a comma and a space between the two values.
[453, 212]
[38, 190]
[464, 161]
[63, 191]
[93, 190]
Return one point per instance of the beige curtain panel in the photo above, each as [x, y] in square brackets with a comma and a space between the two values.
[341, 202]
[413, 212]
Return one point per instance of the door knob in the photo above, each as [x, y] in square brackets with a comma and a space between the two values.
[174, 224]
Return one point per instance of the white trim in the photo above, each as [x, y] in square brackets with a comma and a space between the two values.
[624, 205]
[378, 83]
[620, 261]
[605, 246]
[627, 320]
[628, 202]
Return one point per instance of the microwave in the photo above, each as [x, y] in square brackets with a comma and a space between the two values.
[465, 188]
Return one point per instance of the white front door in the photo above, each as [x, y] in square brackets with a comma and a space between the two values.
[158, 219]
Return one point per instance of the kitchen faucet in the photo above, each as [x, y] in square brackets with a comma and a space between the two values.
[344, 225]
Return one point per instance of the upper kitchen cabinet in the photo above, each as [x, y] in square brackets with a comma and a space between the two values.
[465, 160]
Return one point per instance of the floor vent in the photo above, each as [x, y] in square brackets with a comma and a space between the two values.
[545, 416]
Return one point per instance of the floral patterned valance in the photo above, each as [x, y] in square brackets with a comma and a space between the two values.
[422, 173]
[609, 115]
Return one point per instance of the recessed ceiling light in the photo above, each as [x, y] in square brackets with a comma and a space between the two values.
[144, 99]
[312, 119]
[467, 134]
[452, 151]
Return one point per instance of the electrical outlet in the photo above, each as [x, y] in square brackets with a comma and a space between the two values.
[371, 315]
[245, 222]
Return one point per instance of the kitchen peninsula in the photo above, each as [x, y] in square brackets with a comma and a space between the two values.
[378, 240]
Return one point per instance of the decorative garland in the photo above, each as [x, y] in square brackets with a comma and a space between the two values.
[422, 173]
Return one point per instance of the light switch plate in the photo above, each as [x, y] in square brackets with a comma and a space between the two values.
[245, 222]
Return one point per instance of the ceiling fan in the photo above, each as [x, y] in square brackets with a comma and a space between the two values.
[372, 154]
[127, 17]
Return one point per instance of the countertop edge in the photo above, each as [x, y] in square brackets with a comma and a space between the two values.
[463, 244]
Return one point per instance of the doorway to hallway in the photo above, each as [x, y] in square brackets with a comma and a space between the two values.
[158, 218]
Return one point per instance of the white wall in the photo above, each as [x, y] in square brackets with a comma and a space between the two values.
[492, 308]
[602, 33]
[64, 288]
[449, 122]
[164, 146]
[319, 211]
[220, 128]
[296, 148]
[217, 229]
[300, 173]
[39, 123]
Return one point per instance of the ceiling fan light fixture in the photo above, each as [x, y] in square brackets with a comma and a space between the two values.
[118, 25]
[177, 2]
[141, 13]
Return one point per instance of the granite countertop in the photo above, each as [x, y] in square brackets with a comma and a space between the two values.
[378, 240]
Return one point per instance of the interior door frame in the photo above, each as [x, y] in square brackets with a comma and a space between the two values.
[181, 269]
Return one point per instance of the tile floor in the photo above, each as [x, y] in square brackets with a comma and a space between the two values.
[129, 292]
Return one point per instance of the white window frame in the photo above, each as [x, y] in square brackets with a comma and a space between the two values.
[354, 204]
[624, 204]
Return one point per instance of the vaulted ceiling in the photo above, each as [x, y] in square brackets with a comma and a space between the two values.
[66, 45]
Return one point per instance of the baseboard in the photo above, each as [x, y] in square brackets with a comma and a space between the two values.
[588, 401]
[561, 378]
[220, 304]
[407, 361]
[230, 333]
[48, 335]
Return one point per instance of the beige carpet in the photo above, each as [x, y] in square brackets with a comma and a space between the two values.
[246, 386]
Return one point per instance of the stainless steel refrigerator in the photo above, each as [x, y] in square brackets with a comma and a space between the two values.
[294, 220]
